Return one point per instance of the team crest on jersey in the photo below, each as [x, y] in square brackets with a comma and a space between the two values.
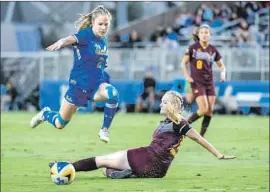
[100, 51]
[199, 50]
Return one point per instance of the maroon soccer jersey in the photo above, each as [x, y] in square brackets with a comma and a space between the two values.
[201, 61]
[155, 159]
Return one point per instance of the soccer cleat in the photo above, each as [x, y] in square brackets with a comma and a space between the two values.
[121, 174]
[38, 119]
[104, 135]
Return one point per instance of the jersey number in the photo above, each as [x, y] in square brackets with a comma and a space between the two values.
[175, 148]
[199, 64]
[100, 61]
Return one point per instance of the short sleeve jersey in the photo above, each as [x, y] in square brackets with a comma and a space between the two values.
[201, 61]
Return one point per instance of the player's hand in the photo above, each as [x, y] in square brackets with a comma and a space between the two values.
[189, 79]
[223, 157]
[222, 77]
[57, 45]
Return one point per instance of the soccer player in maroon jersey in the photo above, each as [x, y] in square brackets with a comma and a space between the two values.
[201, 55]
[153, 160]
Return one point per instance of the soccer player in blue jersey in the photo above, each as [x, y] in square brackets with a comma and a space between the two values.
[88, 80]
[154, 160]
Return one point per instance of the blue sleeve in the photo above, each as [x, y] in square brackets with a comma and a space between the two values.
[83, 36]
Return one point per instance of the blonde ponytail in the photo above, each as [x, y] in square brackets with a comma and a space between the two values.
[86, 20]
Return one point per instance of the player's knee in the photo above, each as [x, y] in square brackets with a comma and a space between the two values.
[203, 110]
[112, 93]
[209, 113]
[60, 123]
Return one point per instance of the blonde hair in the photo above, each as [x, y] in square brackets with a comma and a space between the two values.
[87, 20]
[176, 106]
[195, 34]
[176, 100]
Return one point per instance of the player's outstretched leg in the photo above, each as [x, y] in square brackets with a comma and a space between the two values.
[39, 118]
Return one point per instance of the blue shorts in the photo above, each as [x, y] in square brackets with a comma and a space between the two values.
[79, 97]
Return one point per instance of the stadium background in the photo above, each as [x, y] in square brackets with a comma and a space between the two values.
[33, 78]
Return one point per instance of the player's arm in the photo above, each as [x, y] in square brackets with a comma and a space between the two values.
[194, 135]
[62, 43]
[222, 69]
[184, 63]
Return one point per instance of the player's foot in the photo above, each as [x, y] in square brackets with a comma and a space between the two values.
[121, 174]
[104, 135]
[39, 118]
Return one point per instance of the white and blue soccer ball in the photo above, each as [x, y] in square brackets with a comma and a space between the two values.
[62, 173]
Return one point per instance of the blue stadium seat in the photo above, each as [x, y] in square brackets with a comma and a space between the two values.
[179, 85]
[163, 86]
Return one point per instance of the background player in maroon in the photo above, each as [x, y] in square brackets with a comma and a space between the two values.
[201, 55]
[153, 160]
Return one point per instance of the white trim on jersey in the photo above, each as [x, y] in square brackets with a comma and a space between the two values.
[182, 128]
[188, 131]
[76, 38]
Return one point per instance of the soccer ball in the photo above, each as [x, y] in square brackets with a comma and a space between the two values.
[62, 173]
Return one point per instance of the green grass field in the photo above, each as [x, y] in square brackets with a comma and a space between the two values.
[25, 153]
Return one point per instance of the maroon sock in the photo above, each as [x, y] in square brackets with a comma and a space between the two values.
[193, 117]
[88, 164]
[205, 124]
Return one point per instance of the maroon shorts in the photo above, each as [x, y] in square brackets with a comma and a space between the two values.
[142, 163]
[200, 90]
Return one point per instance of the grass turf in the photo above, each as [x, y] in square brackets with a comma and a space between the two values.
[25, 153]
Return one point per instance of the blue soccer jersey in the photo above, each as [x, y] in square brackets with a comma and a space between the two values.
[90, 57]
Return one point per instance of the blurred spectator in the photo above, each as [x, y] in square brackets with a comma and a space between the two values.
[225, 11]
[116, 38]
[242, 33]
[183, 20]
[157, 33]
[171, 40]
[146, 101]
[240, 10]
[216, 16]
[217, 12]
[9, 98]
[134, 38]
[198, 17]
[170, 4]
[253, 6]
[233, 16]
[208, 14]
